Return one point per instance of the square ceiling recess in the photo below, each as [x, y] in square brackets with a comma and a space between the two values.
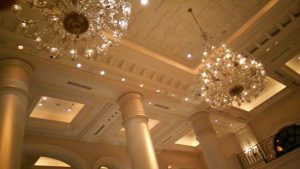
[188, 140]
[294, 64]
[54, 109]
[272, 87]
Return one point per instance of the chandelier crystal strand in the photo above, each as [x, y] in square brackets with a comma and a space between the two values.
[74, 27]
[225, 78]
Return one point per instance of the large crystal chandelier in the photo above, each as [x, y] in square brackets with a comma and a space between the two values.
[73, 27]
[226, 77]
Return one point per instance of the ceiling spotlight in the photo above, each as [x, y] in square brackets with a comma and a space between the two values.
[69, 110]
[78, 65]
[123, 79]
[231, 125]
[216, 121]
[157, 90]
[141, 85]
[173, 95]
[189, 56]
[20, 47]
[102, 72]
[268, 49]
[276, 43]
[40, 104]
[144, 2]
[44, 98]
[169, 167]
[186, 99]
[150, 103]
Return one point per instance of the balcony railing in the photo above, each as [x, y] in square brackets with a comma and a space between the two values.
[287, 140]
[258, 154]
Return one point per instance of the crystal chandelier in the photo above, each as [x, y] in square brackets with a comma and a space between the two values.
[73, 27]
[226, 77]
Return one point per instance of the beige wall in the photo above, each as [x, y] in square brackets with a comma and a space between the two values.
[286, 112]
[91, 152]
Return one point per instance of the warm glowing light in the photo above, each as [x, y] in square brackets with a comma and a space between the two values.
[157, 91]
[78, 65]
[102, 72]
[123, 79]
[189, 56]
[141, 85]
[20, 47]
[144, 2]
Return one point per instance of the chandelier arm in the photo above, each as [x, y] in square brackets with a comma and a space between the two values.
[50, 40]
[94, 42]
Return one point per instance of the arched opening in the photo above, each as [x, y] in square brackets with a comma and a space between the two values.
[58, 155]
[107, 163]
[287, 139]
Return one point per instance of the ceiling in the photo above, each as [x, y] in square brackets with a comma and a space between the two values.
[152, 60]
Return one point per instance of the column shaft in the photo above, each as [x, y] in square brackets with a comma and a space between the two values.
[14, 79]
[140, 147]
[210, 146]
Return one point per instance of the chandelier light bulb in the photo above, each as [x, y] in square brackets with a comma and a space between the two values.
[74, 27]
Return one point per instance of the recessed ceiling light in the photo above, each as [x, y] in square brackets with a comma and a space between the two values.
[189, 56]
[144, 2]
[186, 99]
[44, 98]
[169, 167]
[40, 104]
[150, 103]
[157, 90]
[78, 65]
[231, 125]
[216, 121]
[173, 95]
[276, 43]
[102, 72]
[268, 49]
[20, 47]
[123, 79]
[141, 85]
[69, 110]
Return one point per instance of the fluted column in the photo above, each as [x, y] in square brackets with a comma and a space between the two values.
[140, 147]
[14, 83]
[210, 146]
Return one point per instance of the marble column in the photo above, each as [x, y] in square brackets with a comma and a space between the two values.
[140, 147]
[14, 83]
[209, 144]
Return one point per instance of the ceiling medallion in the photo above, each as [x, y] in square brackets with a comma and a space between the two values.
[226, 77]
[74, 27]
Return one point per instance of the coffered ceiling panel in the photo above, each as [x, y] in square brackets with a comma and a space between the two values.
[50, 108]
[294, 64]
[272, 87]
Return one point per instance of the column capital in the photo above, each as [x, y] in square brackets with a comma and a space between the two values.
[199, 115]
[201, 124]
[15, 74]
[131, 105]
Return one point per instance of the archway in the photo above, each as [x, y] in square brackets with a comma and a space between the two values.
[56, 152]
[287, 139]
[107, 163]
